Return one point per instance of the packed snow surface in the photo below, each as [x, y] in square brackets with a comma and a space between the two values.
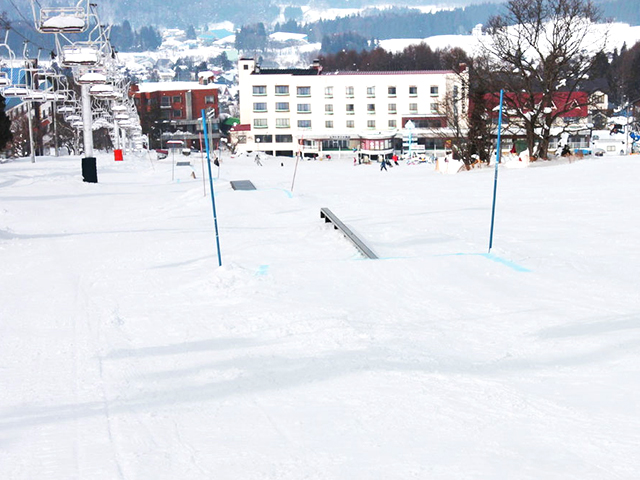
[127, 352]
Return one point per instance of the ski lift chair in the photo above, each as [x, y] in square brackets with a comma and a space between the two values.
[92, 78]
[15, 91]
[5, 80]
[73, 19]
[62, 20]
[34, 95]
[66, 109]
[81, 54]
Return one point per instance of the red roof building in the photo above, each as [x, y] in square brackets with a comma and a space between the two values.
[175, 108]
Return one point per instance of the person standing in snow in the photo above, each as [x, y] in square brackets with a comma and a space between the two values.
[395, 159]
[258, 162]
[383, 164]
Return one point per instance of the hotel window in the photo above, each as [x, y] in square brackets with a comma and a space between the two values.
[259, 89]
[434, 90]
[260, 107]
[304, 91]
[328, 109]
[165, 102]
[434, 107]
[413, 107]
[177, 113]
[348, 91]
[328, 92]
[413, 91]
[264, 138]
[371, 91]
[304, 123]
[282, 89]
[328, 124]
[209, 99]
[350, 109]
[371, 124]
[371, 108]
[284, 138]
[177, 99]
[350, 124]
[392, 124]
[260, 123]
[282, 123]
[392, 108]
[282, 106]
[392, 91]
[304, 108]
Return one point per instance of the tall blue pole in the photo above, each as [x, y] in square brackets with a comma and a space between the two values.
[213, 200]
[495, 177]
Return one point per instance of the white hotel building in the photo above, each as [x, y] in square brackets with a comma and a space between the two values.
[313, 112]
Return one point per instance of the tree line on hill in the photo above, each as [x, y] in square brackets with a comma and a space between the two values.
[398, 22]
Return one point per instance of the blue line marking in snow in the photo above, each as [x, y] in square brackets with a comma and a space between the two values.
[288, 193]
[508, 263]
[263, 270]
[495, 258]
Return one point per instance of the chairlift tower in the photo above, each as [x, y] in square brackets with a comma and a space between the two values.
[94, 64]
[61, 21]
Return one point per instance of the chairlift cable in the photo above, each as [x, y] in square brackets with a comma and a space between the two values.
[8, 26]
[29, 22]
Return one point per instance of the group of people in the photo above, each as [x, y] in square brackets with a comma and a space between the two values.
[384, 162]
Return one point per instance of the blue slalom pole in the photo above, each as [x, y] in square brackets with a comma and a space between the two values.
[495, 177]
[213, 201]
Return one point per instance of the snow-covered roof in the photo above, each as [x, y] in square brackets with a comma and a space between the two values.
[226, 40]
[286, 36]
[167, 86]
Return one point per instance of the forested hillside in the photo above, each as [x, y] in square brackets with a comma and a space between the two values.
[136, 21]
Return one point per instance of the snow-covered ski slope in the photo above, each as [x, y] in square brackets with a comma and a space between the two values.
[127, 353]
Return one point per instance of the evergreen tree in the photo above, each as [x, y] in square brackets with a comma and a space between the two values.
[252, 37]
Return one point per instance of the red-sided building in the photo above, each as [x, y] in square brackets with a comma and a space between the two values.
[573, 105]
[173, 110]
[570, 109]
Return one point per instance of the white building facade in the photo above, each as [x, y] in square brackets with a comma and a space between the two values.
[310, 112]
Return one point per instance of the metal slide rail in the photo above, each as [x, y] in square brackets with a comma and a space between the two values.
[330, 217]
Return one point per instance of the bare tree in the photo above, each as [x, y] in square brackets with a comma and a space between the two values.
[539, 48]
